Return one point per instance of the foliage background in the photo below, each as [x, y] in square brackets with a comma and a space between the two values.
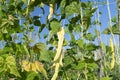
[30, 40]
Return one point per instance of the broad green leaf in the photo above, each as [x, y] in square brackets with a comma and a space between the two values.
[84, 5]
[67, 60]
[80, 43]
[37, 23]
[63, 3]
[92, 65]
[113, 29]
[81, 65]
[41, 46]
[31, 76]
[45, 56]
[73, 8]
[89, 36]
[75, 19]
[114, 19]
[91, 47]
[55, 26]
[36, 50]
[14, 71]
[11, 64]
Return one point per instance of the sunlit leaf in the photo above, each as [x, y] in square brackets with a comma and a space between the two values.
[89, 37]
[55, 26]
[80, 43]
[81, 65]
[33, 67]
[31, 76]
[26, 50]
[73, 8]
[45, 56]
[11, 63]
[26, 65]
[113, 29]
[1, 64]
[91, 47]
[106, 78]
[40, 68]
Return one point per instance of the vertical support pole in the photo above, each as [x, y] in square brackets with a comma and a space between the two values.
[118, 5]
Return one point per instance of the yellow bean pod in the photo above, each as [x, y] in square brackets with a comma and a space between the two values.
[112, 55]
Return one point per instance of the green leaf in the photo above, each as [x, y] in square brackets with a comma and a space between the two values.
[91, 47]
[31, 76]
[11, 64]
[45, 56]
[67, 60]
[81, 65]
[89, 36]
[84, 5]
[26, 50]
[55, 26]
[80, 43]
[114, 30]
[106, 78]
[37, 23]
[93, 10]
[73, 8]
[36, 17]
[75, 19]
[41, 46]
[72, 37]
[92, 65]
[63, 3]
[114, 19]
[1, 64]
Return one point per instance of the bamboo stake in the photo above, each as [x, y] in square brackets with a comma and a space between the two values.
[118, 5]
[101, 50]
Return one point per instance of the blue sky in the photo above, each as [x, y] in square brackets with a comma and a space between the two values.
[103, 18]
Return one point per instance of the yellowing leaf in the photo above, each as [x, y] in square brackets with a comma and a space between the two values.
[26, 65]
[33, 67]
[51, 10]
[40, 68]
